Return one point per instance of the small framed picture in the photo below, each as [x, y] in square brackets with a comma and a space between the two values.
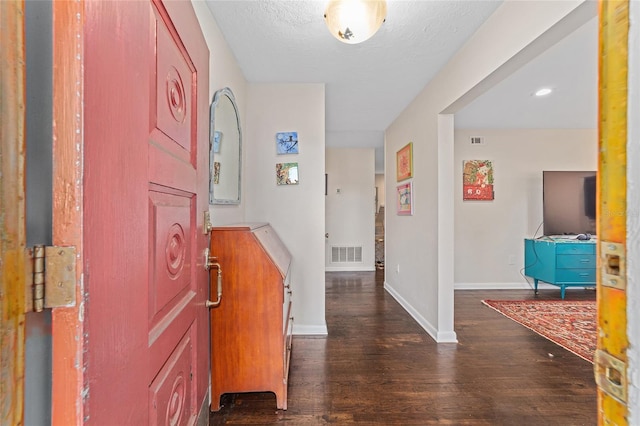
[287, 173]
[405, 199]
[404, 162]
[287, 143]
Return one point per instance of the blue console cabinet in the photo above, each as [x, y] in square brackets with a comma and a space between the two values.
[564, 262]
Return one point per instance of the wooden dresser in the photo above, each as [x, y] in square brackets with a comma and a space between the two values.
[251, 329]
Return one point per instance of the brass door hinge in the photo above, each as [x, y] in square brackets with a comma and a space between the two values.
[50, 274]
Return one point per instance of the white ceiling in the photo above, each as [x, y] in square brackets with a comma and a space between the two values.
[367, 85]
[570, 68]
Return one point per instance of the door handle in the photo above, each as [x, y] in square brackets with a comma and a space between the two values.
[212, 262]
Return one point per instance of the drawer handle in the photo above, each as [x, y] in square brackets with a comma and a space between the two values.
[585, 260]
[584, 274]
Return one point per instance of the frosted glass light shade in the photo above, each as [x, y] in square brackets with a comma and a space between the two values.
[354, 21]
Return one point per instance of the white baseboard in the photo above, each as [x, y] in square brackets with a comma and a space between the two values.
[439, 337]
[310, 330]
[508, 286]
[349, 268]
[495, 286]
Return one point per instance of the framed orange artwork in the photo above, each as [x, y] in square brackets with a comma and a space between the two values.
[404, 162]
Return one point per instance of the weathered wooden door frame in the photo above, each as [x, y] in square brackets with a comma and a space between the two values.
[611, 361]
[12, 211]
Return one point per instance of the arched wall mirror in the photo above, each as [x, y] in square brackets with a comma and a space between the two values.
[225, 147]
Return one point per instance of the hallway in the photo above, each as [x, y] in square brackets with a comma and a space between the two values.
[379, 367]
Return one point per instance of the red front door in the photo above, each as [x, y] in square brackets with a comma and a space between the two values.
[136, 156]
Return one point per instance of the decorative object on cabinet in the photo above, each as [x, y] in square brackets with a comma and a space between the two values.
[287, 143]
[405, 199]
[287, 173]
[564, 262]
[251, 329]
[477, 178]
[404, 162]
[224, 185]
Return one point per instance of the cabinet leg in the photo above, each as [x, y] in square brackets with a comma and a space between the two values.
[562, 289]
[281, 400]
[535, 286]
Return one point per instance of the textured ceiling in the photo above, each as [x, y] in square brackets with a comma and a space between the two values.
[369, 84]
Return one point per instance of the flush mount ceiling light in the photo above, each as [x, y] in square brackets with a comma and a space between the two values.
[354, 21]
[543, 92]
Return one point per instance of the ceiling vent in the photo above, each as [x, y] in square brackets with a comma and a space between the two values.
[346, 254]
[477, 140]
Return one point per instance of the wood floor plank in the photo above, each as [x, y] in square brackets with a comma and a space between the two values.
[377, 366]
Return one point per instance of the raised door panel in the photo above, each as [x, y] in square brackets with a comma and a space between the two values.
[174, 98]
[171, 240]
[172, 228]
[169, 393]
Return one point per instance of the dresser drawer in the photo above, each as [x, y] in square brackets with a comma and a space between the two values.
[576, 275]
[575, 261]
[575, 248]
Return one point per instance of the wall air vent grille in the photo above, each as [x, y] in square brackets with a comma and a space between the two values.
[346, 254]
[477, 140]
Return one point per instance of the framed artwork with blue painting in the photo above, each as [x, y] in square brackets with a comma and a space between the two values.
[287, 142]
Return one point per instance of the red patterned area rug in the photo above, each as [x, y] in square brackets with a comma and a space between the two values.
[570, 324]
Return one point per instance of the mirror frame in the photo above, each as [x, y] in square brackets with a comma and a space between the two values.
[217, 96]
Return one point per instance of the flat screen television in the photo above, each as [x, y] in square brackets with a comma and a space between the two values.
[569, 202]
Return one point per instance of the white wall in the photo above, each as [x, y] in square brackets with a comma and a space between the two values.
[419, 263]
[350, 205]
[296, 212]
[224, 72]
[489, 234]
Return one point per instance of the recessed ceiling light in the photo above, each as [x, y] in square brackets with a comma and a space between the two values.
[544, 91]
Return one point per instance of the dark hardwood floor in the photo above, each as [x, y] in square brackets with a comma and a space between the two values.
[377, 366]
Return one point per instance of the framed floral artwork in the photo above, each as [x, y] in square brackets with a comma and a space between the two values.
[405, 199]
[477, 180]
[404, 162]
[287, 173]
